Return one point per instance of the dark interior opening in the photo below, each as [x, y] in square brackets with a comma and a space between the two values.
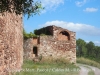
[66, 34]
[45, 30]
[35, 51]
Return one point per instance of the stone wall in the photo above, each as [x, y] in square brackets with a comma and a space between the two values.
[28, 48]
[50, 47]
[61, 44]
[11, 42]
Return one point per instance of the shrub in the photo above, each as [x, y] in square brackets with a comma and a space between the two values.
[88, 62]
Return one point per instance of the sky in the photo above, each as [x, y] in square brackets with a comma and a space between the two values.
[80, 16]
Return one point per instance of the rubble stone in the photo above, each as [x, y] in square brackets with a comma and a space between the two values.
[61, 43]
[11, 42]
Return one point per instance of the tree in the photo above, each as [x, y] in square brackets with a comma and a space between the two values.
[28, 35]
[81, 47]
[97, 52]
[20, 6]
[90, 49]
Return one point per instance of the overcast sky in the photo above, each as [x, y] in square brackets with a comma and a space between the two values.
[80, 16]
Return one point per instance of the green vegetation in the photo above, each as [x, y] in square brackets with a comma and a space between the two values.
[88, 62]
[28, 7]
[88, 50]
[28, 35]
[91, 72]
[48, 67]
[35, 33]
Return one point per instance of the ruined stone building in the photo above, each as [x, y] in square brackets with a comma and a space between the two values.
[57, 43]
[11, 42]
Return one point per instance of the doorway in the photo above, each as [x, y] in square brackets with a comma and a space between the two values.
[35, 52]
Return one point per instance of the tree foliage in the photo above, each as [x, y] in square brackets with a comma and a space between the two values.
[81, 50]
[88, 50]
[20, 6]
[28, 35]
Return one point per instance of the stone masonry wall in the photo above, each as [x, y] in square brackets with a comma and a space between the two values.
[11, 42]
[58, 45]
[28, 48]
[29, 44]
[50, 47]
[61, 44]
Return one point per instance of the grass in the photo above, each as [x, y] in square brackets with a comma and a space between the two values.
[48, 67]
[91, 73]
[88, 62]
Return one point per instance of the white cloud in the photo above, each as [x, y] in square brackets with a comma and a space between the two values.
[79, 28]
[51, 4]
[97, 43]
[90, 10]
[80, 3]
[82, 30]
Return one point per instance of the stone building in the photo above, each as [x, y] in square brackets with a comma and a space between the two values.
[11, 42]
[56, 43]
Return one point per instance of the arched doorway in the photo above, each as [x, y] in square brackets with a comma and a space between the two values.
[35, 51]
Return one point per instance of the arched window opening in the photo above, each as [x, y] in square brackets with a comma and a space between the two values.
[64, 35]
